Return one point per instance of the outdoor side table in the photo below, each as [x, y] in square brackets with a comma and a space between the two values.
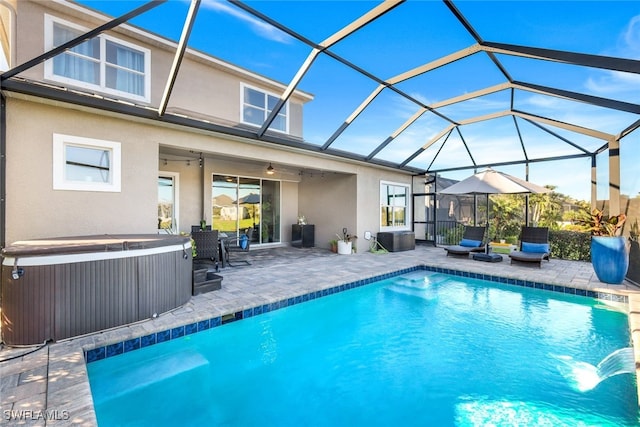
[303, 235]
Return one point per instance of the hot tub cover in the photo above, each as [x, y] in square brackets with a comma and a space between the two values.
[97, 243]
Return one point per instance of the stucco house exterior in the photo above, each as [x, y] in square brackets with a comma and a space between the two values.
[93, 145]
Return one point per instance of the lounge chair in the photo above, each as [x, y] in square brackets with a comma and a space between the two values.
[534, 246]
[472, 241]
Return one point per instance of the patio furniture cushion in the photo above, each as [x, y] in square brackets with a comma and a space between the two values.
[535, 247]
[470, 243]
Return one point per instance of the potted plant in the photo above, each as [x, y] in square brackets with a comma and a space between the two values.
[609, 251]
[333, 244]
[345, 242]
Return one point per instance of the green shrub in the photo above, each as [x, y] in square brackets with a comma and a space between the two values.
[570, 245]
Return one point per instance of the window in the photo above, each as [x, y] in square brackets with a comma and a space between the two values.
[393, 205]
[168, 202]
[257, 105]
[85, 164]
[102, 63]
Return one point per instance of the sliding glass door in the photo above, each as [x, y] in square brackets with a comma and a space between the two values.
[239, 203]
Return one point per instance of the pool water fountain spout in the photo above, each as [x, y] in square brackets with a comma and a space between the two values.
[419, 285]
[584, 376]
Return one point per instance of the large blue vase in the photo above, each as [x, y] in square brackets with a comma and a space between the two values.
[610, 258]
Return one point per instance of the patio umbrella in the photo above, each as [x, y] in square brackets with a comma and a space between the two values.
[491, 181]
[252, 199]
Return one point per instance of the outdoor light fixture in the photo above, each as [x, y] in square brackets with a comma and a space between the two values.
[270, 170]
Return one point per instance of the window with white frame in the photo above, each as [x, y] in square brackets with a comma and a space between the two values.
[85, 164]
[258, 104]
[394, 205]
[168, 202]
[102, 63]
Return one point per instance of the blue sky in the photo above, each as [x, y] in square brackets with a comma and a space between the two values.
[416, 33]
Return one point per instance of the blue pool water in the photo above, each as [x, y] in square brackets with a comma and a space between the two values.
[421, 349]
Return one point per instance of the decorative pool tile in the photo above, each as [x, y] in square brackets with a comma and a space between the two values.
[203, 325]
[163, 336]
[95, 354]
[191, 328]
[177, 332]
[99, 353]
[147, 340]
[132, 344]
[115, 349]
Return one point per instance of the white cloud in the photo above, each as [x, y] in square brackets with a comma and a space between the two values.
[261, 28]
[548, 102]
[631, 37]
[614, 82]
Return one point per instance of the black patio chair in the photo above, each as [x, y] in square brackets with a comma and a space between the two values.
[472, 241]
[207, 247]
[241, 243]
[534, 246]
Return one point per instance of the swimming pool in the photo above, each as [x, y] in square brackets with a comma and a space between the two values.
[418, 349]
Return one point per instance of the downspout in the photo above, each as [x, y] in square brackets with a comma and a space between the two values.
[3, 168]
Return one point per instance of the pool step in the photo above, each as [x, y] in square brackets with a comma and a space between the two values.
[207, 282]
[147, 373]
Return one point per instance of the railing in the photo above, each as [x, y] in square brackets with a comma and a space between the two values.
[448, 232]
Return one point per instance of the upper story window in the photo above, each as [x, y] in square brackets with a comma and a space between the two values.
[394, 205]
[257, 105]
[102, 63]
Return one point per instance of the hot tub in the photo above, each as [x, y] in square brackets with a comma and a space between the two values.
[64, 287]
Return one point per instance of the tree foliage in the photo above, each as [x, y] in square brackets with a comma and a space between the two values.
[507, 212]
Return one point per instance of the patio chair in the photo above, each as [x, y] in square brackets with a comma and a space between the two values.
[241, 243]
[472, 241]
[207, 247]
[534, 246]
